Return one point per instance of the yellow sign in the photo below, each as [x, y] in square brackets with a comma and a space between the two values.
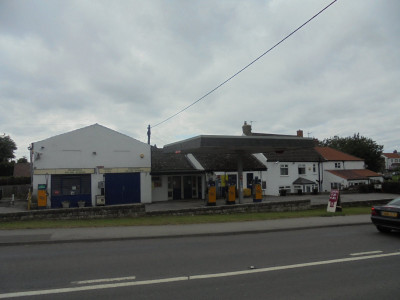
[63, 171]
[124, 170]
[42, 198]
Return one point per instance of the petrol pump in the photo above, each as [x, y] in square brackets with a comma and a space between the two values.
[257, 190]
[42, 196]
[212, 193]
[231, 196]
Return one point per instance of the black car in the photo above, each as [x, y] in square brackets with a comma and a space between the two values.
[387, 217]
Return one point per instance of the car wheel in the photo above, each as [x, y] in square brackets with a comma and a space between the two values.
[383, 229]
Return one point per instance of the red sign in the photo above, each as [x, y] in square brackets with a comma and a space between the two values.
[333, 200]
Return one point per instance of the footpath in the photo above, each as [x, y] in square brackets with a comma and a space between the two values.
[70, 235]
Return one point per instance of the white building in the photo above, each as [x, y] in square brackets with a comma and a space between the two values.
[307, 170]
[94, 160]
[392, 160]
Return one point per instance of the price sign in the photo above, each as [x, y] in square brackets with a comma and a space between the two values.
[334, 201]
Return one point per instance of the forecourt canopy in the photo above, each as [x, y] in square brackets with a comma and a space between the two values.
[239, 145]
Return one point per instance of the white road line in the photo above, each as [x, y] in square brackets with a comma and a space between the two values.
[104, 280]
[366, 253]
[195, 277]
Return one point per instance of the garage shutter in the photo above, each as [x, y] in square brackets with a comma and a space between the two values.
[122, 188]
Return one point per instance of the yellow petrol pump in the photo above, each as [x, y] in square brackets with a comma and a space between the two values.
[231, 197]
[212, 193]
[42, 195]
[257, 190]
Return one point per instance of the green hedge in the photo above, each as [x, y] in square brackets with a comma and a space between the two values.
[391, 187]
[14, 180]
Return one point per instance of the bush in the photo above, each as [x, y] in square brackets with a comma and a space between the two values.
[6, 168]
[366, 188]
[391, 187]
[14, 180]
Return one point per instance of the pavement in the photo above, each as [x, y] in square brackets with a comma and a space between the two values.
[70, 235]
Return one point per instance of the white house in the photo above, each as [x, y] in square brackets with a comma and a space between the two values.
[392, 160]
[92, 161]
[309, 170]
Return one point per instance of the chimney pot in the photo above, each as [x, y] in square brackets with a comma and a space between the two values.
[246, 128]
[300, 133]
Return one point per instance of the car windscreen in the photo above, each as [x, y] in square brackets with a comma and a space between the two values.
[395, 202]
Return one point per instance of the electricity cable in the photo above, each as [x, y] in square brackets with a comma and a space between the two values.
[244, 68]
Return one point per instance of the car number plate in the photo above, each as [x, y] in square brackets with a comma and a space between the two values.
[389, 214]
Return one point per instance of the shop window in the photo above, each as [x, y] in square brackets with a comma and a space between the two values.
[69, 185]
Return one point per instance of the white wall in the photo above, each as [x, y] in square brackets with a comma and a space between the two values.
[161, 193]
[274, 178]
[89, 147]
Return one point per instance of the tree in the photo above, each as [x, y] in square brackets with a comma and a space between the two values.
[22, 160]
[7, 148]
[359, 146]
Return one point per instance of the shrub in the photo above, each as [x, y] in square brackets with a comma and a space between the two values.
[391, 187]
[14, 180]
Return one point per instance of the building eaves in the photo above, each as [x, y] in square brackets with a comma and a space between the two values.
[354, 174]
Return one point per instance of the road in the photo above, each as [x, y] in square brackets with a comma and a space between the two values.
[350, 262]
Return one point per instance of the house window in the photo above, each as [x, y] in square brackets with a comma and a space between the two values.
[284, 170]
[338, 165]
[302, 169]
[314, 168]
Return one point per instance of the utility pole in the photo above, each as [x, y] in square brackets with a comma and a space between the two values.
[148, 134]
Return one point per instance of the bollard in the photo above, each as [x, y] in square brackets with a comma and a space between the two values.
[12, 200]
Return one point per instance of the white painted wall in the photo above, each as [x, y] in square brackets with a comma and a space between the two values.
[161, 193]
[89, 147]
[274, 178]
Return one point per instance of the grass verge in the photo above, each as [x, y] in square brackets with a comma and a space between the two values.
[179, 220]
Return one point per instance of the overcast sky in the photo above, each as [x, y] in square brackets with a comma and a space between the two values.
[126, 64]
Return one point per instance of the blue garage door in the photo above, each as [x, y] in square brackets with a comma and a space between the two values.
[122, 188]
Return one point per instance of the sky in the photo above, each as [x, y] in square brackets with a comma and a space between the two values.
[65, 65]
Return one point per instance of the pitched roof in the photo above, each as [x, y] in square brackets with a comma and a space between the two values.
[169, 162]
[357, 174]
[391, 155]
[331, 154]
[228, 162]
[166, 163]
[303, 181]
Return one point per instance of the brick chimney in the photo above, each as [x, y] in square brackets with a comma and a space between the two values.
[246, 128]
[300, 133]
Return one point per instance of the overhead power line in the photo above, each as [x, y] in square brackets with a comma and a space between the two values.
[244, 68]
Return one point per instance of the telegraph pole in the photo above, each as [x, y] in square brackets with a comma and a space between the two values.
[148, 134]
